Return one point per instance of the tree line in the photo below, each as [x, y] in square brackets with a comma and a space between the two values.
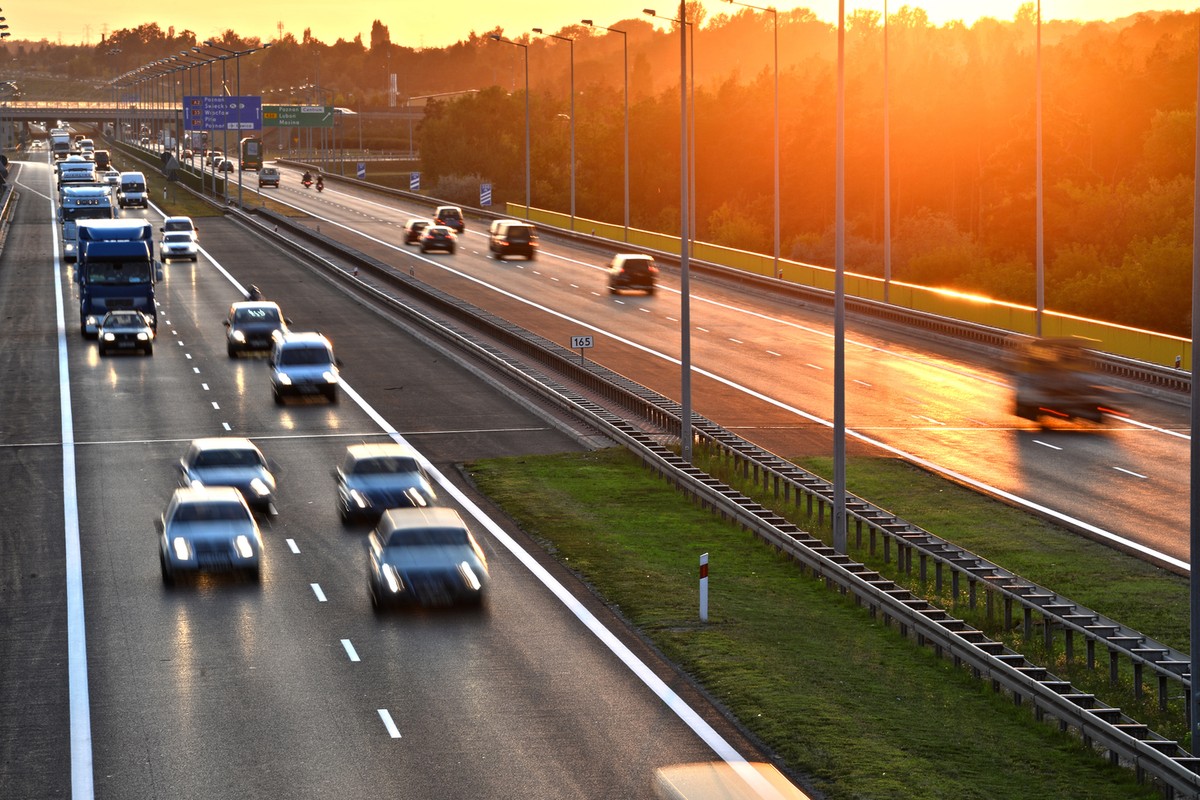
[1117, 111]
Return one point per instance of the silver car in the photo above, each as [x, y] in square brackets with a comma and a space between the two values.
[425, 556]
[230, 461]
[209, 529]
[176, 245]
[376, 477]
[125, 330]
[303, 364]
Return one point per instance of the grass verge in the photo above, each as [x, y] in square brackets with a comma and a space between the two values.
[838, 696]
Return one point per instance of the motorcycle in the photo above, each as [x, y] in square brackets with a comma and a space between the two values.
[307, 183]
[320, 185]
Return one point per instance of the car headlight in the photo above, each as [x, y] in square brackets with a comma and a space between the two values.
[143, 336]
[469, 577]
[109, 337]
[416, 497]
[183, 551]
[70, 248]
[239, 337]
[284, 378]
[243, 547]
[259, 487]
[90, 319]
[360, 499]
[329, 376]
[392, 578]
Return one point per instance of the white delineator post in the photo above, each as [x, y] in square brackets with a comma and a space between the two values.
[704, 587]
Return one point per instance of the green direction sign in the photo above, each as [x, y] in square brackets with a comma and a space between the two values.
[297, 116]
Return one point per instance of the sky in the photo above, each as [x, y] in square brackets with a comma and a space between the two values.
[415, 25]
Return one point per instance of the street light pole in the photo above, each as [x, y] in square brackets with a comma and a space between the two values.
[572, 52]
[524, 47]
[237, 62]
[625, 46]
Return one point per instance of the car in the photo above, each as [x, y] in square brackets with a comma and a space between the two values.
[632, 271]
[213, 157]
[426, 557]
[230, 461]
[438, 237]
[177, 245]
[111, 177]
[209, 529]
[451, 216]
[131, 190]
[303, 364]
[376, 477]
[251, 325]
[268, 176]
[126, 330]
[225, 165]
[512, 237]
[172, 224]
[414, 228]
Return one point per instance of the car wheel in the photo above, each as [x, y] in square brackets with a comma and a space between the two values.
[254, 575]
[533, 256]
[451, 250]
[168, 577]
[102, 350]
[149, 349]
[231, 350]
[278, 397]
[332, 394]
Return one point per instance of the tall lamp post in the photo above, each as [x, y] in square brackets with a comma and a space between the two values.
[685, 310]
[690, 124]
[625, 45]
[525, 48]
[237, 62]
[775, 18]
[572, 112]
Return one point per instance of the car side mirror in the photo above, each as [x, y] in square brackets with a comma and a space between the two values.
[287, 320]
[337, 362]
[158, 271]
[225, 323]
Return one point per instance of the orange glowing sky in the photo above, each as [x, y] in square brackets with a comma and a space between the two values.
[437, 25]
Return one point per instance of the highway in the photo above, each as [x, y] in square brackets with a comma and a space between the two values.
[115, 686]
[763, 366]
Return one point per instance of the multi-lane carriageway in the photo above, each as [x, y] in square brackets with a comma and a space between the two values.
[118, 687]
[762, 367]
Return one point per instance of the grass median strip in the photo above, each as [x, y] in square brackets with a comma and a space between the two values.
[840, 697]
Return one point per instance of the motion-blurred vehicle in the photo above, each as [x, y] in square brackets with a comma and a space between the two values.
[230, 461]
[303, 364]
[180, 223]
[125, 331]
[1054, 377]
[632, 271]
[427, 557]
[177, 245]
[111, 178]
[512, 237]
[209, 529]
[413, 230]
[376, 477]
[450, 216]
[251, 325]
[438, 237]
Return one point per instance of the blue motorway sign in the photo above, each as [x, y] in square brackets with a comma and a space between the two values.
[205, 113]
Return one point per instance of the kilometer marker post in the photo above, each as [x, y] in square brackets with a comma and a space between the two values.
[704, 587]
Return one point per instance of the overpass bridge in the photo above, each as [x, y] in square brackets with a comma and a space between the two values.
[153, 114]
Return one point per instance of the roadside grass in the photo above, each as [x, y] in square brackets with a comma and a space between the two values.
[841, 698]
[1146, 598]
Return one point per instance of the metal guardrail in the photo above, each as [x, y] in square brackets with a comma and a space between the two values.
[1098, 724]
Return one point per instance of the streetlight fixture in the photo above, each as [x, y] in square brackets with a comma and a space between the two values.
[685, 310]
[683, 22]
[625, 46]
[775, 18]
[572, 52]
[236, 55]
[525, 48]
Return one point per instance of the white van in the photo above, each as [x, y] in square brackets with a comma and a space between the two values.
[132, 190]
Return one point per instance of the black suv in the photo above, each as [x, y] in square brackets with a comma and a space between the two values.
[631, 271]
[510, 237]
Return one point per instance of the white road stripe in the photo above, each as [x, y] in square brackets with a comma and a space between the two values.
[350, 651]
[392, 730]
[316, 587]
[1129, 472]
[1047, 444]
[291, 543]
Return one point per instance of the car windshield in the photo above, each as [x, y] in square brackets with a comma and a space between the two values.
[122, 273]
[302, 356]
[256, 315]
[428, 537]
[133, 187]
[114, 320]
[178, 226]
[227, 458]
[385, 465]
[209, 512]
[178, 237]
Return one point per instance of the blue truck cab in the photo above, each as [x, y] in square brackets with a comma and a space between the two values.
[115, 270]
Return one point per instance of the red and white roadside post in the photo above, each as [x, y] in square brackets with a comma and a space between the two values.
[704, 587]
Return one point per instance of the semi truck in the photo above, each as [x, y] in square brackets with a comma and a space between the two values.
[60, 143]
[1056, 378]
[116, 269]
[80, 203]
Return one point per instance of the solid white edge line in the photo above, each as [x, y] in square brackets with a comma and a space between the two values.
[686, 713]
[82, 779]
